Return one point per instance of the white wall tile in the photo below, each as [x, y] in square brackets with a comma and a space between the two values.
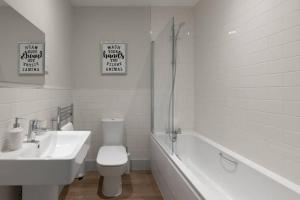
[29, 104]
[132, 105]
[252, 104]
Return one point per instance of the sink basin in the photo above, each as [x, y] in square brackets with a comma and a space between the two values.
[55, 160]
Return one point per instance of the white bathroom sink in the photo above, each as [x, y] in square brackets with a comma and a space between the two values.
[55, 160]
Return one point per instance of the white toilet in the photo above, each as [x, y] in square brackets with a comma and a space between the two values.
[112, 157]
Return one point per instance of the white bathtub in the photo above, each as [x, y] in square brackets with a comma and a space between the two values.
[203, 169]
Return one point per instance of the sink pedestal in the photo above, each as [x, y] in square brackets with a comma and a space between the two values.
[46, 192]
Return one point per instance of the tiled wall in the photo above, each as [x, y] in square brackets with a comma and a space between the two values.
[29, 104]
[248, 79]
[132, 105]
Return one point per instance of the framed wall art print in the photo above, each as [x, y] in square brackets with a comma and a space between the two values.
[31, 58]
[114, 58]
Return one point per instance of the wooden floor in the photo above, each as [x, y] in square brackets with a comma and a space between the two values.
[136, 186]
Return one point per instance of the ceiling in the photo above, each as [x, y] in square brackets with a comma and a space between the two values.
[135, 3]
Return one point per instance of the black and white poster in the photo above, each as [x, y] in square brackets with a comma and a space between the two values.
[114, 58]
[31, 58]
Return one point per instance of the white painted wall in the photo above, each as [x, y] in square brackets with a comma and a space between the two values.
[247, 82]
[96, 96]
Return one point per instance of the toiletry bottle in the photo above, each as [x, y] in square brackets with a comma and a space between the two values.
[15, 136]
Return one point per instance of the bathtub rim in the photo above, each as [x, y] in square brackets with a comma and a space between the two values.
[175, 161]
[260, 169]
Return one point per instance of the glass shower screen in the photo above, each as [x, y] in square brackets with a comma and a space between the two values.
[162, 80]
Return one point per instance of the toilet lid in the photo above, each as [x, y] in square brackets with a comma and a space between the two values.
[112, 156]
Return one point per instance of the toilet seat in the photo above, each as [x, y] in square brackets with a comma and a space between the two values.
[112, 156]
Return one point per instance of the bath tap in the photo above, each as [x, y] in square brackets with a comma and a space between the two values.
[178, 131]
[175, 133]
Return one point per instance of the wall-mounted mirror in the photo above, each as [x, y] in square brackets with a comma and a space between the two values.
[22, 54]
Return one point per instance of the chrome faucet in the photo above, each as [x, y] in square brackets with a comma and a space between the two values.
[34, 129]
[33, 126]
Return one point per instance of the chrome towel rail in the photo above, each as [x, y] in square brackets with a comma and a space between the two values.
[64, 114]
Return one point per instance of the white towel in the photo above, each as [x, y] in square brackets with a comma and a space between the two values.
[68, 127]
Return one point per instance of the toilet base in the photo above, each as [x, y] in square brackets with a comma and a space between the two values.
[112, 186]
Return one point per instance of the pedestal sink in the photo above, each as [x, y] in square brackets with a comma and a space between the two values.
[42, 167]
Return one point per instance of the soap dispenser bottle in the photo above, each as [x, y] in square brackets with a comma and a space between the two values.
[15, 136]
